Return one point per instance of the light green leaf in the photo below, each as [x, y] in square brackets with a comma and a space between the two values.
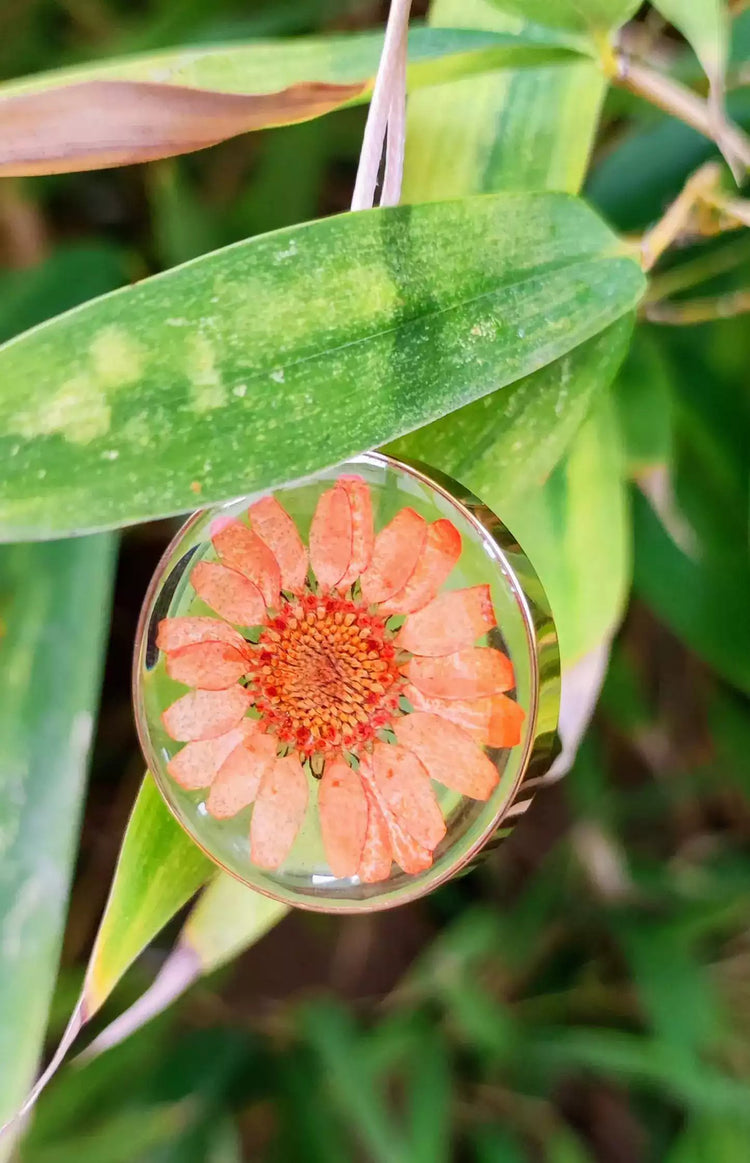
[51, 648]
[644, 399]
[514, 130]
[579, 15]
[706, 27]
[508, 443]
[702, 599]
[158, 870]
[575, 532]
[227, 918]
[266, 66]
[297, 348]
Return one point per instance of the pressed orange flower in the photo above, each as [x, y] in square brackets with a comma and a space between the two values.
[359, 670]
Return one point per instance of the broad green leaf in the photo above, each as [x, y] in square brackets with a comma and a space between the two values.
[227, 918]
[579, 15]
[508, 443]
[576, 533]
[266, 66]
[712, 1138]
[297, 348]
[542, 128]
[51, 649]
[514, 130]
[158, 870]
[702, 600]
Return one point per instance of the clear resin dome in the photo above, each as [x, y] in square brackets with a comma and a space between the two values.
[340, 686]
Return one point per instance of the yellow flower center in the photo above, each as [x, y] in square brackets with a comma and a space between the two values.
[325, 675]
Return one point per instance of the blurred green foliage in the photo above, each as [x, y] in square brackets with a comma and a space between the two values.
[585, 995]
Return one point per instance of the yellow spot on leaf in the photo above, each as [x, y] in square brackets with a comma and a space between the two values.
[207, 389]
[116, 358]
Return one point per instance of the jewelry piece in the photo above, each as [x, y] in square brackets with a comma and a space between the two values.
[342, 686]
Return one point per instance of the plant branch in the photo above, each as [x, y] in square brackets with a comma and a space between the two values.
[703, 310]
[684, 104]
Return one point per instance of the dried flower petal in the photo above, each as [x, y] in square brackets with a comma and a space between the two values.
[176, 632]
[394, 556]
[206, 714]
[197, 763]
[448, 623]
[466, 674]
[493, 721]
[342, 806]
[377, 854]
[237, 782]
[276, 528]
[363, 532]
[210, 666]
[405, 789]
[331, 538]
[230, 593]
[278, 813]
[448, 754]
[242, 549]
[440, 552]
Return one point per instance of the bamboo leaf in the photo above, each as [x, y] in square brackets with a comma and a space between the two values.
[579, 15]
[158, 870]
[51, 647]
[301, 348]
[227, 918]
[705, 25]
[580, 514]
[140, 108]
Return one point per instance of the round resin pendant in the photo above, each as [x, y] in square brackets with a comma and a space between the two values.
[345, 688]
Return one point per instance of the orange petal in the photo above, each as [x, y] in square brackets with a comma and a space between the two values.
[363, 532]
[197, 763]
[242, 549]
[176, 632]
[237, 782]
[449, 754]
[394, 556]
[377, 855]
[278, 813]
[506, 722]
[206, 714]
[440, 552]
[273, 525]
[493, 721]
[449, 622]
[212, 666]
[405, 789]
[331, 538]
[467, 674]
[231, 594]
[408, 853]
[342, 808]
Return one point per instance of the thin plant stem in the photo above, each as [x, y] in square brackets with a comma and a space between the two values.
[396, 32]
[704, 310]
[681, 102]
[698, 270]
[396, 138]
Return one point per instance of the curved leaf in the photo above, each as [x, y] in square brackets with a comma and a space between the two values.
[300, 347]
[578, 15]
[227, 919]
[51, 648]
[140, 108]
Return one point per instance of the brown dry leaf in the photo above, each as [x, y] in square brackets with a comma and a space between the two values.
[96, 124]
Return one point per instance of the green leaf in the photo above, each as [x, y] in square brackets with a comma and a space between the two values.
[700, 599]
[227, 919]
[266, 66]
[514, 130]
[579, 15]
[705, 25]
[51, 648]
[298, 348]
[543, 123]
[644, 399]
[158, 870]
[575, 531]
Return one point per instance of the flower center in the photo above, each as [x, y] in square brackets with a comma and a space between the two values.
[325, 674]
